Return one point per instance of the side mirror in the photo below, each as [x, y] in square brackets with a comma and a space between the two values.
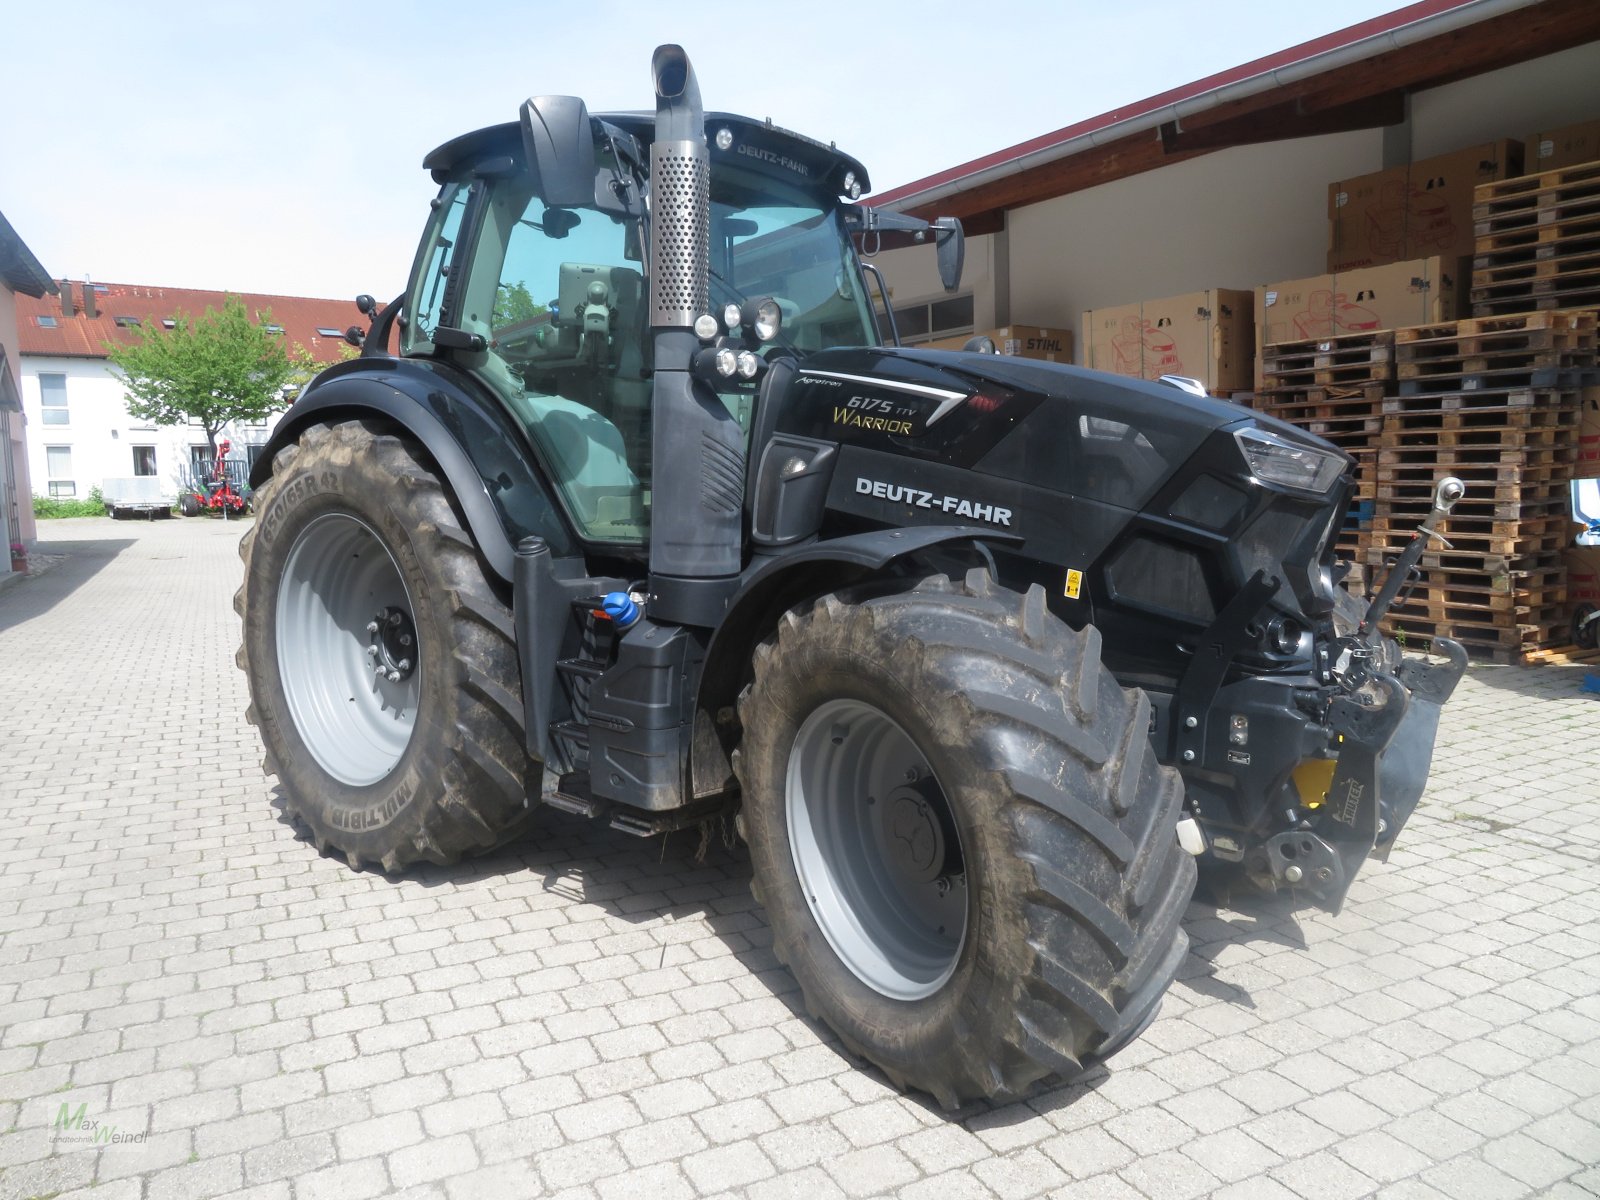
[981, 344]
[367, 305]
[560, 149]
[951, 245]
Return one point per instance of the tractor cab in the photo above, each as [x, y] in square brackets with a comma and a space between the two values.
[536, 284]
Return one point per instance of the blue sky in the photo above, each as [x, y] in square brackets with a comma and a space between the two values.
[278, 148]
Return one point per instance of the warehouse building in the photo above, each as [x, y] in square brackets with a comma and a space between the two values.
[1388, 236]
[1225, 183]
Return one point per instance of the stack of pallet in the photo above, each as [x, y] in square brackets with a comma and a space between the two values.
[1335, 387]
[1537, 242]
[1495, 402]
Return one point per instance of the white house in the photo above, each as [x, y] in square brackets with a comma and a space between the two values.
[74, 400]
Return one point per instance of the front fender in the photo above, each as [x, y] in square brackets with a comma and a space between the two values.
[772, 584]
[480, 449]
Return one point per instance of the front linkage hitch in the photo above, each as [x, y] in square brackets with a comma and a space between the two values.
[1385, 724]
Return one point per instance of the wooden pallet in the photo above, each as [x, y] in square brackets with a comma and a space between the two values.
[1499, 399]
[1537, 241]
[1564, 191]
[1504, 242]
[1523, 350]
[1347, 360]
[1562, 655]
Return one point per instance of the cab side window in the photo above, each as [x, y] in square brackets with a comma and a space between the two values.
[560, 294]
[426, 301]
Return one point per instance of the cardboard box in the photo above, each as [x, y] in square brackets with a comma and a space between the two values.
[1563, 147]
[1022, 341]
[1414, 211]
[1583, 575]
[1418, 292]
[1203, 335]
[1588, 464]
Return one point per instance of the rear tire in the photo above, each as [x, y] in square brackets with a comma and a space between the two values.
[1062, 818]
[431, 766]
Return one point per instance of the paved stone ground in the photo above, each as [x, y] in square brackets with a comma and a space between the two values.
[588, 1016]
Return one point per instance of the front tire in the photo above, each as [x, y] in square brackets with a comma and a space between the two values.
[1021, 774]
[382, 666]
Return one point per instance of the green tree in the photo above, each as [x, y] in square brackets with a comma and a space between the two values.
[222, 367]
[515, 305]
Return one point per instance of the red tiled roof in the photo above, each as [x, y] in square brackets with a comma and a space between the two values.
[80, 336]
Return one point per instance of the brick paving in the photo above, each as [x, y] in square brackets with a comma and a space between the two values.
[586, 1015]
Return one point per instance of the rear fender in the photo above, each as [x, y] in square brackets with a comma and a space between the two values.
[771, 586]
[480, 450]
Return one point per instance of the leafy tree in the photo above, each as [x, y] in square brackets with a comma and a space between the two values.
[514, 305]
[223, 367]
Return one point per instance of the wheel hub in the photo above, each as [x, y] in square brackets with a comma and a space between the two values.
[347, 649]
[915, 838]
[394, 644]
[876, 849]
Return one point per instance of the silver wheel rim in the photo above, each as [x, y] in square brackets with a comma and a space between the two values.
[338, 673]
[876, 849]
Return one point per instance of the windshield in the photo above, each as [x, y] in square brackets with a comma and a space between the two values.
[771, 239]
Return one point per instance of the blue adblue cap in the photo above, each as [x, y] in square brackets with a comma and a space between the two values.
[619, 606]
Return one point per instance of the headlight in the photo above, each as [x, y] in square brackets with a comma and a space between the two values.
[727, 361]
[769, 318]
[1273, 459]
[705, 327]
[748, 364]
[731, 315]
[724, 138]
[852, 185]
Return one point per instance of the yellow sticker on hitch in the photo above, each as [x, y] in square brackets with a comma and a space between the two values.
[1074, 584]
[1312, 779]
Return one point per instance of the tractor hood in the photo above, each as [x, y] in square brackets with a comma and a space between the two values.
[959, 408]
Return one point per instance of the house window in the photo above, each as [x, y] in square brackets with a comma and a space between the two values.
[144, 460]
[273, 328]
[58, 467]
[46, 322]
[53, 398]
[327, 332]
[126, 322]
[168, 323]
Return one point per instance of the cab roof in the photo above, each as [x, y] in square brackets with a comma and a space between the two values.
[780, 150]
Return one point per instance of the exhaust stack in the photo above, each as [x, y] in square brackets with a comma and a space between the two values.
[697, 447]
[680, 191]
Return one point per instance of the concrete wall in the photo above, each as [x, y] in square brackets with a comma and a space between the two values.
[1238, 218]
[18, 526]
[913, 276]
[101, 433]
[1559, 89]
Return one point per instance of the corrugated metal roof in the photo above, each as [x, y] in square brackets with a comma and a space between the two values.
[80, 336]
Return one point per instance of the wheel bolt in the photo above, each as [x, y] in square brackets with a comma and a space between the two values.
[372, 652]
[1293, 874]
[911, 774]
[394, 618]
[372, 627]
[394, 676]
[404, 664]
[405, 639]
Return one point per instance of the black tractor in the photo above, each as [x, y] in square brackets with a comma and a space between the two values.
[649, 521]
